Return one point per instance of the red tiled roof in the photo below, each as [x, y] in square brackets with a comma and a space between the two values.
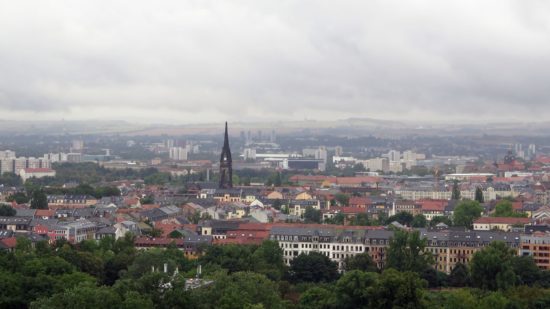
[167, 228]
[433, 205]
[357, 200]
[9, 242]
[543, 159]
[517, 205]
[44, 213]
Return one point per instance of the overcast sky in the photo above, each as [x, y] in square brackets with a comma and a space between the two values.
[206, 61]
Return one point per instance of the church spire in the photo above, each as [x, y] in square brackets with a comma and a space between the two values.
[226, 168]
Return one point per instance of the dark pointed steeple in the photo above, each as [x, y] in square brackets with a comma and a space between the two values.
[226, 168]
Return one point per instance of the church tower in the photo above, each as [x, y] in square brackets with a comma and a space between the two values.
[226, 169]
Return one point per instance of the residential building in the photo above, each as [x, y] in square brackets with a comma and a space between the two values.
[499, 223]
[536, 245]
[36, 172]
[178, 153]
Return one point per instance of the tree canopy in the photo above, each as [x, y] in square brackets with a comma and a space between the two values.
[313, 267]
[407, 252]
[466, 212]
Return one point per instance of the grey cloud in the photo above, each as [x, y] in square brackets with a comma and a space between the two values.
[210, 60]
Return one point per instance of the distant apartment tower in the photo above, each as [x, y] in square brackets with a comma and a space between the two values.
[15, 165]
[7, 154]
[338, 151]
[309, 152]
[56, 157]
[74, 157]
[321, 154]
[394, 156]
[249, 154]
[178, 153]
[377, 164]
[6, 161]
[532, 150]
[169, 143]
[77, 145]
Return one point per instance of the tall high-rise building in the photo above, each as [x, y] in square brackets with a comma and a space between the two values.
[394, 156]
[169, 143]
[249, 153]
[532, 151]
[178, 153]
[7, 154]
[77, 145]
[321, 154]
[226, 164]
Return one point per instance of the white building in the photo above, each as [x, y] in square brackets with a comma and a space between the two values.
[7, 154]
[321, 154]
[249, 153]
[178, 153]
[377, 164]
[394, 156]
[27, 173]
[77, 145]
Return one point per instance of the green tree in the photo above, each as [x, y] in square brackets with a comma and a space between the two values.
[398, 290]
[338, 219]
[456, 191]
[479, 195]
[175, 234]
[362, 262]
[492, 267]
[318, 297]
[466, 212]
[419, 221]
[313, 267]
[407, 252]
[312, 215]
[402, 217]
[7, 211]
[277, 204]
[237, 290]
[267, 259]
[526, 270]
[232, 258]
[460, 276]
[353, 289]
[441, 219]
[10, 180]
[149, 199]
[39, 200]
[19, 198]
[504, 208]
[361, 219]
[83, 296]
[342, 199]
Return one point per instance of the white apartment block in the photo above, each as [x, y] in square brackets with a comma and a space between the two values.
[178, 153]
